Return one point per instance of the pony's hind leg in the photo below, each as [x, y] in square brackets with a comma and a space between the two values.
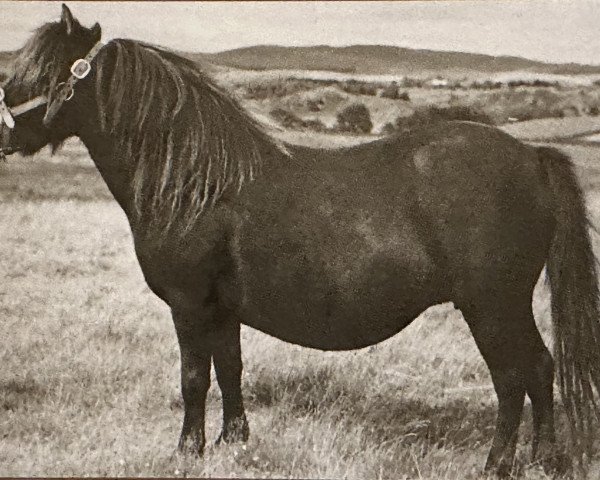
[497, 327]
[227, 359]
[539, 377]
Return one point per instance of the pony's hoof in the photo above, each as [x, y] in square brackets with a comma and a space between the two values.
[509, 471]
[190, 448]
[237, 437]
[505, 469]
[234, 432]
[557, 464]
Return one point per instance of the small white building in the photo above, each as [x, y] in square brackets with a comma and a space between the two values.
[438, 82]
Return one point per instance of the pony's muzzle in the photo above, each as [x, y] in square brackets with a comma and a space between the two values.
[5, 152]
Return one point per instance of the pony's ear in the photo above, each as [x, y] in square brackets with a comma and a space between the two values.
[97, 32]
[67, 19]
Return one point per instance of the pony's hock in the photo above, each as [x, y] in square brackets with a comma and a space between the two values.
[329, 249]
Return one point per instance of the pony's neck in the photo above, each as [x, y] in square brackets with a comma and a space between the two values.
[115, 172]
[117, 169]
[168, 142]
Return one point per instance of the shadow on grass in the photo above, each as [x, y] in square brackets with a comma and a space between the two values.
[392, 416]
[388, 416]
[19, 392]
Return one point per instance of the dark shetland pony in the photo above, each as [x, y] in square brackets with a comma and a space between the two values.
[329, 249]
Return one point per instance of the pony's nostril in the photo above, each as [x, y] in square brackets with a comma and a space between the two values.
[6, 151]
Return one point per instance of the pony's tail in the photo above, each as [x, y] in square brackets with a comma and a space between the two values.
[573, 278]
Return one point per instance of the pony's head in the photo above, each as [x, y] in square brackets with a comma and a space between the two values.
[38, 70]
[183, 141]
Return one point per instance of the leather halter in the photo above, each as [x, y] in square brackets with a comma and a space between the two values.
[64, 92]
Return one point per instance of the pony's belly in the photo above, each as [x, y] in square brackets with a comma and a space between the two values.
[344, 328]
[338, 303]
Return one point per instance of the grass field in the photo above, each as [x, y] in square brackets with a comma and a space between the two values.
[90, 377]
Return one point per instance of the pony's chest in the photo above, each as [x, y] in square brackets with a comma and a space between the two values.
[176, 266]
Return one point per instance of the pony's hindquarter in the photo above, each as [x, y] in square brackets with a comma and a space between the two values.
[575, 306]
[500, 315]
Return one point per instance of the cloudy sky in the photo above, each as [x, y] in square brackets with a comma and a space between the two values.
[549, 30]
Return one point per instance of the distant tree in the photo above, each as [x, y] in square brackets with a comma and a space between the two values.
[315, 125]
[391, 91]
[408, 82]
[356, 87]
[388, 129]
[315, 105]
[355, 118]
[404, 96]
[291, 121]
[368, 89]
[433, 114]
[287, 119]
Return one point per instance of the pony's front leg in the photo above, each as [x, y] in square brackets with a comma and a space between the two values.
[195, 344]
[227, 358]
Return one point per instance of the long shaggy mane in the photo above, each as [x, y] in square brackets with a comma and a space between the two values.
[187, 142]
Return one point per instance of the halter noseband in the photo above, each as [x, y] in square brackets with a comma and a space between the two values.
[65, 90]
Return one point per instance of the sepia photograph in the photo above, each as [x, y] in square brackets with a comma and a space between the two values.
[309, 239]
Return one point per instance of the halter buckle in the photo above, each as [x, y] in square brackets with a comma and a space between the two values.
[81, 68]
[68, 95]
